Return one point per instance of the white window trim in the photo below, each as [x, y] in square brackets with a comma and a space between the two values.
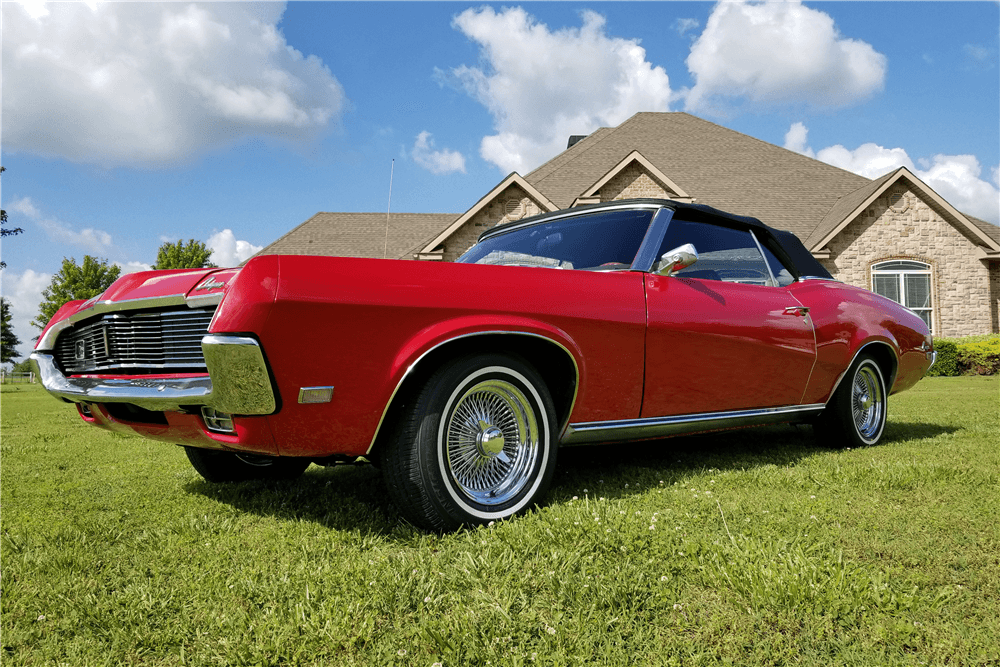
[899, 273]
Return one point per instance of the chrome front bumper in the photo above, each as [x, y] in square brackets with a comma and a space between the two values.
[238, 382]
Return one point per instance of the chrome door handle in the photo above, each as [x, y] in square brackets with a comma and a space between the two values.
[797, 310]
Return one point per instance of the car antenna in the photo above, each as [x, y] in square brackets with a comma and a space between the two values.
[385, 248]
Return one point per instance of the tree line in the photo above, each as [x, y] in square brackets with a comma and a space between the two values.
[87, 280]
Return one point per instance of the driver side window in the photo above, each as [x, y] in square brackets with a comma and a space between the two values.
[725, 254]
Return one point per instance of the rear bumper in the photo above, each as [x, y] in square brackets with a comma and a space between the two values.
[238, 382]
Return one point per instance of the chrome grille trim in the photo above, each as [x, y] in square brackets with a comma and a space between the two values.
[136, 342]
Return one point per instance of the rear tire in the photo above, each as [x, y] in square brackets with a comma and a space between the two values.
[220, 467]
[478, 444]
[856, 413]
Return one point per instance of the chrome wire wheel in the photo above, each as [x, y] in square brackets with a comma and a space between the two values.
[868, 403]
[492, 442]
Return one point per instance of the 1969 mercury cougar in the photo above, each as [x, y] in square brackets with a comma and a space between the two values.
[615, 322]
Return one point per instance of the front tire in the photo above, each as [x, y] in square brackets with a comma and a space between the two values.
[478, 444]
[219, 467]
[856, 413]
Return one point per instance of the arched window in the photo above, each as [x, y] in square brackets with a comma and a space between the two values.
[906, 282]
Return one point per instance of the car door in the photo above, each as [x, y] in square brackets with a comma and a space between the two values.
[724, 333]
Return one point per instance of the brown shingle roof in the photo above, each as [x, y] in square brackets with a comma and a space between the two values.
[361, 234]
[720, 167]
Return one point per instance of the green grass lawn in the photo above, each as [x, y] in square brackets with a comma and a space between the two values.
[747, 547]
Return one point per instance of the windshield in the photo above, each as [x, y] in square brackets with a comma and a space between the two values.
[601, 241]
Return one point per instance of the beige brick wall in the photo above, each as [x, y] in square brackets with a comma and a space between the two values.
[512, 204]
[960, 282]
[633, 182]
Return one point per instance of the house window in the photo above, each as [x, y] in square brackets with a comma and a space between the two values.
[906, 282]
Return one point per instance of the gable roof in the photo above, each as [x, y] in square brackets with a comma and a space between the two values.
[853, 204]
[360, 235]
[636, 157]
[512, 179]
[720, 167]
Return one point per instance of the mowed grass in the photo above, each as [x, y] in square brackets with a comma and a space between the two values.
[747, 547]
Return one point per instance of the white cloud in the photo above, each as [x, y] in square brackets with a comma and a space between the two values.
[94, 241]
[227, 251]
[797, 138]
[437, 162]
[779, 53]
[133, 267]
[24, 293]
[155, 83]
[957, 178]
[683, 26]
[541, 86]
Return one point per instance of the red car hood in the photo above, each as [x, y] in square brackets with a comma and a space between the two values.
[181, 283]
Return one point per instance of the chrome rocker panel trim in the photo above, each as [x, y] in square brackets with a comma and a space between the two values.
[661, 427]
[238, 382]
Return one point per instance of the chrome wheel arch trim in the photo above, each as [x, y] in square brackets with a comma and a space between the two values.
[888, 383]
[416, 362]
[660, 427]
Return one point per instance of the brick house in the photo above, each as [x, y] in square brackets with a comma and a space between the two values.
[893, 235]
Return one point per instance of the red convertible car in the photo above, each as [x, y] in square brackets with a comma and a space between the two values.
[626, 321]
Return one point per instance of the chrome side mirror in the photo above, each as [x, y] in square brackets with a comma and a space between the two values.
[679, 258]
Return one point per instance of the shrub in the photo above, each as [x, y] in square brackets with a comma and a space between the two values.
[947, 359]
[971, 355]
[981, 356]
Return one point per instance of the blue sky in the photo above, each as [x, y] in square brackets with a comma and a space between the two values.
[125, 125]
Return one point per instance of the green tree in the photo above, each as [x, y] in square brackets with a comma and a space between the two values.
[3, 221]
[8, 340]
[192, 255]
[75, 282]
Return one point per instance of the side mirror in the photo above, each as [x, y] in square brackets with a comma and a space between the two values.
[679, 258]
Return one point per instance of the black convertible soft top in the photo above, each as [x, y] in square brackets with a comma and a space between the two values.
[782, 243]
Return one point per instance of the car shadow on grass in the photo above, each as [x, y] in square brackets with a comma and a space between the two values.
[353, 498]
[609, 468]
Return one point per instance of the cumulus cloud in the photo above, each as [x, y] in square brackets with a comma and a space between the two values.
[93, 241]
[148, 84]
[778, 53]
[24, 293]
[957, 178]
[437, 162]
[227, 251]
[542, 85]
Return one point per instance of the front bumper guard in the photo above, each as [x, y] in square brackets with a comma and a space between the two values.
[238, 382]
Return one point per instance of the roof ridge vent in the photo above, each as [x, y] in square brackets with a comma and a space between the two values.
[575, 139]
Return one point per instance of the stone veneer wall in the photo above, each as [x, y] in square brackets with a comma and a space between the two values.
[512, 204]
[960, 283]
[995, 295]
[633, 182]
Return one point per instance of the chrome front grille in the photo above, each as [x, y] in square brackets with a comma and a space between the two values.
[136, 343]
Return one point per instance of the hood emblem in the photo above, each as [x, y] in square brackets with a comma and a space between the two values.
[209, 283]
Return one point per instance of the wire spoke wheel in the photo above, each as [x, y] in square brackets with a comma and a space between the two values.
[867, 403]
[492, 442]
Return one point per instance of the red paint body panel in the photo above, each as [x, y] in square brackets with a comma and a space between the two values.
[252, 433]
[846, 318]
[360, 324]
[714, 346]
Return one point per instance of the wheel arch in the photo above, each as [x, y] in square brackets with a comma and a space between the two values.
[552, 359]
[884, 355]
